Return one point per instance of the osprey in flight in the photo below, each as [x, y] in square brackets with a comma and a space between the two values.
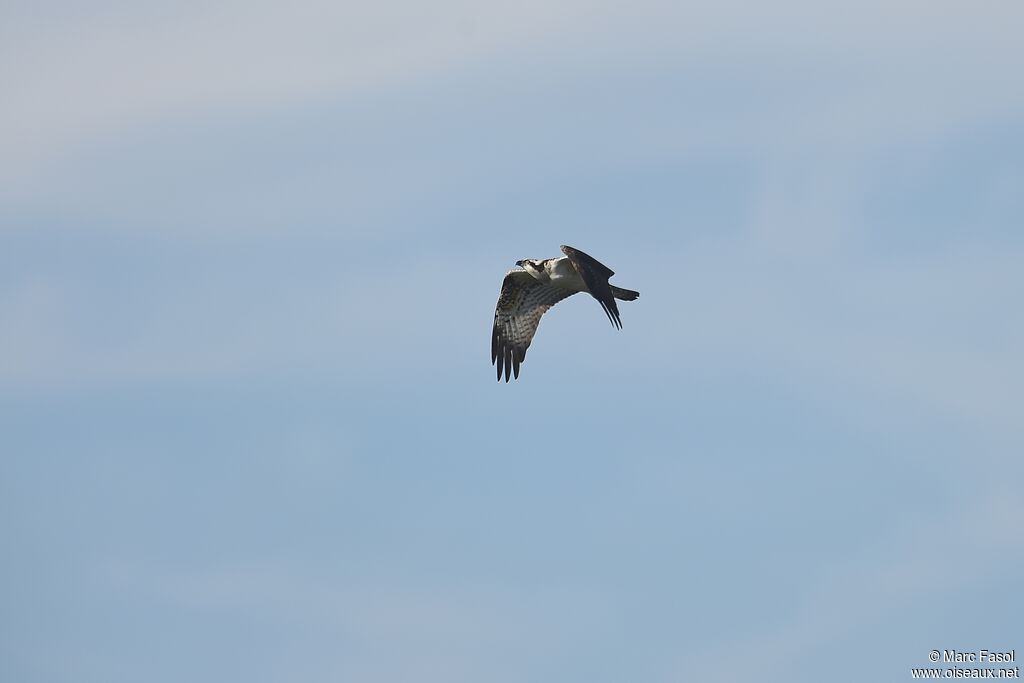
[527, 294]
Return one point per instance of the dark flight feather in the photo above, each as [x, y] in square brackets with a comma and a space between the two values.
[595, 274]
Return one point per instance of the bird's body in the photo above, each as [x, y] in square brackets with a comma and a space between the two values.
[528, 293]
[556, 271]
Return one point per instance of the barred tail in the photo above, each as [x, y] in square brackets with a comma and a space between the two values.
[624, 294]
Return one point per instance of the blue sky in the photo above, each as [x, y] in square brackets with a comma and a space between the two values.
[249, 254]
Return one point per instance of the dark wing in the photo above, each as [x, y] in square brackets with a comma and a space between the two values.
[595, 274]
[523, 300]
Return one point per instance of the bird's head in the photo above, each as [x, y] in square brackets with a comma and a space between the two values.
[534, 268]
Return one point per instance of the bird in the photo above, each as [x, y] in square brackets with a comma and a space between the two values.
[535, 286]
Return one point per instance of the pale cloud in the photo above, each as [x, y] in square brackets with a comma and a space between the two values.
[72, 83]
[77, 82]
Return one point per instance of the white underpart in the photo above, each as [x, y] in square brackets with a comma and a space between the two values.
[562, 273]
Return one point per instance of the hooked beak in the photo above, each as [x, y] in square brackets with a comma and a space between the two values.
[519, 263]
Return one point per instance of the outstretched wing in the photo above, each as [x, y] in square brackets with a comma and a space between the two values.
[523, 300]
[595, 275]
